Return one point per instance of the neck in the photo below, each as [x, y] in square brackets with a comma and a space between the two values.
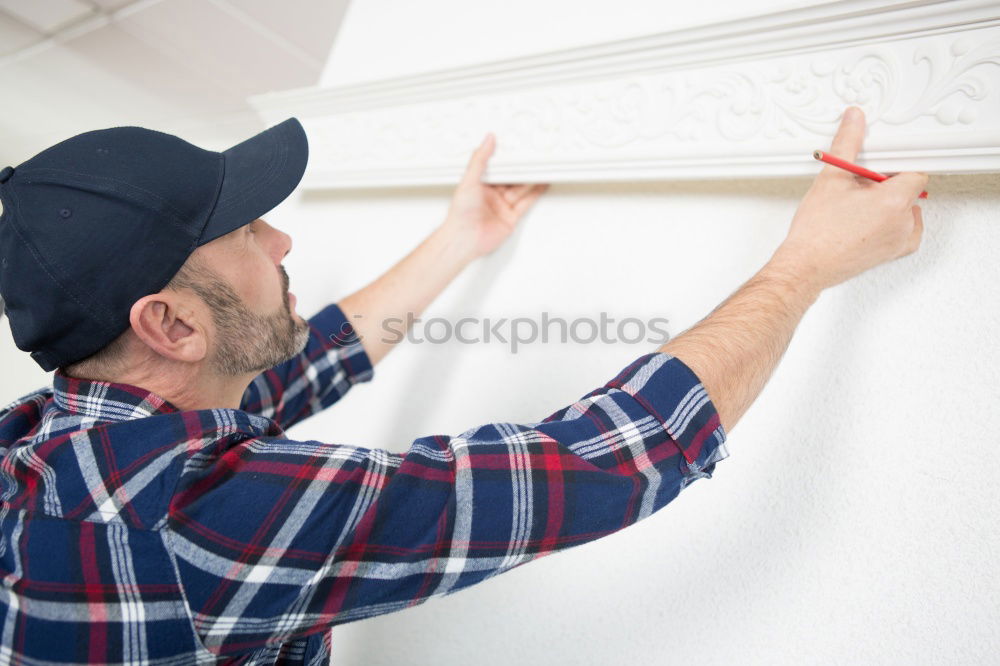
[188, 387]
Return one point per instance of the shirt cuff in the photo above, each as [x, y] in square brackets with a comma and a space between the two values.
[670, 391]
[335, 331]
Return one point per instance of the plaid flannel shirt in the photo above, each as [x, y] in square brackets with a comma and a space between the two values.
[135, 533]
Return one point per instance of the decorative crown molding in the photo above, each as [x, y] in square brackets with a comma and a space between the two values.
[746, 98]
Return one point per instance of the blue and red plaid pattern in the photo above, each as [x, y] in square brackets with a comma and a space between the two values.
[135, 533]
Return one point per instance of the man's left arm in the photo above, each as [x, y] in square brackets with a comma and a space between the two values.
[350, 337]
[480, 218]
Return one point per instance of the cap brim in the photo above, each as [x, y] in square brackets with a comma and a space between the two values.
[260, 173]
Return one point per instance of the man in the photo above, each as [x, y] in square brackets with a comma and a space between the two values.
[153, 509]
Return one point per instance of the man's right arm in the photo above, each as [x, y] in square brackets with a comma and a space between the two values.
[843, 226]
[275, 539]
[736, 348]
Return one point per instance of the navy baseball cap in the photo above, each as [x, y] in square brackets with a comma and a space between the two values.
[96, 222]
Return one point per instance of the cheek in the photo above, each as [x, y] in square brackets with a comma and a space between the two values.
[266, 287]
[256, 278]
[256, 286]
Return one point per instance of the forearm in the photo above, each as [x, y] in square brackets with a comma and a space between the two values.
[737, 346]
[408, 287]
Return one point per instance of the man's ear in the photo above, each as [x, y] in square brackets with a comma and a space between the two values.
[167, 324]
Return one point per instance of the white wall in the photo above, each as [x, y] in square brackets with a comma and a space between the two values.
[854, 521]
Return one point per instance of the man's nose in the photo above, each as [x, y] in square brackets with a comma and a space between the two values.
[286, 243]
[282, 243]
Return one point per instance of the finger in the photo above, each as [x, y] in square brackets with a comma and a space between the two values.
[515, 193]
[905, 187]
[918, 230]
[847, 141]
[480, 157]
[531, 197]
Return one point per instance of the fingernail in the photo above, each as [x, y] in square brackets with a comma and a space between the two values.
[853, 113]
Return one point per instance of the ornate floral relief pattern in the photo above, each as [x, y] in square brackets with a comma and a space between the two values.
[950, 93]
[936, 82]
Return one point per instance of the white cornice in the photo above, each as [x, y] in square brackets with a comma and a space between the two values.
[747, 98]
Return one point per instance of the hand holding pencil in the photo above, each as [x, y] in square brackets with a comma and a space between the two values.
[846, 225]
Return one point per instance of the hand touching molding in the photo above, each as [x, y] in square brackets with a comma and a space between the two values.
[703, 103]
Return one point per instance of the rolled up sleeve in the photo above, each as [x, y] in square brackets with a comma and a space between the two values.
[671, 392]
[332, 362]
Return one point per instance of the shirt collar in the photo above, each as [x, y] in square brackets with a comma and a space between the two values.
[106, 401]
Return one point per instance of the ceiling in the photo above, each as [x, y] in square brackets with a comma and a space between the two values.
[180, 66]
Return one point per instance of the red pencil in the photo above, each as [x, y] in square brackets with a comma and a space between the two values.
[853, 168]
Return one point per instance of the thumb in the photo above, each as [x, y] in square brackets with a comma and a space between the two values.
[906, 186]
[480, 157]
[913, 242]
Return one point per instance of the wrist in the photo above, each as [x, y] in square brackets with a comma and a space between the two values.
[797, 275]
[457, 242]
